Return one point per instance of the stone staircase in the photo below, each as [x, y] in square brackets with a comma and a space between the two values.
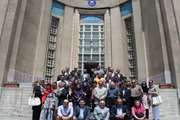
[14, 103]
[169, 108]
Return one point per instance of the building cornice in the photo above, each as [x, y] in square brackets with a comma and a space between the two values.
[99, 3]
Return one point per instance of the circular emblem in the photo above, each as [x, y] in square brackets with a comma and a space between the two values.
[92, 3]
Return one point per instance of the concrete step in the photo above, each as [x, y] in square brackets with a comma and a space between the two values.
[14, 103]
[169, 107]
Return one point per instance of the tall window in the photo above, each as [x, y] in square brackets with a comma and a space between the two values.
[51, 52]
[126, 12]
[57, 11]
[131, 47]
[91, 48]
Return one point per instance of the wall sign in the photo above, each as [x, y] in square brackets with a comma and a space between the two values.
[92, 3]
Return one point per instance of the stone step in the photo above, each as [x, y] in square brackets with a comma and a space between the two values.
[169, 107]
[14, 103]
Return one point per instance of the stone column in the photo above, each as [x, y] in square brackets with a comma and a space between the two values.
[67, 37]
[167, 74]
[28, 41]
[3, 11]
[75, 41]
[6, 38]
[58, 46]
[108, 44]
[117, 39]
[140, 42]
[171, 29]
[176, 9]
[125, 68]
[12, 65]
[42, 39]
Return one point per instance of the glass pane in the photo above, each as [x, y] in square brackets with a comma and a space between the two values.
[102, 49]
[87, 43]
[87, 57]
[102, 28]
[52, 46]
[102, 57]
[95, 50]
[95, 40]
[87, 28]
[80, 49]
[95, 28]
[52, 38]
[102, 35]
[95, 35]
[81, 28]
[95, 58]
[53, 31]
[87, 49]
[87, 35]
[81, 35]
[80, 57]
[87, 40]
[81, 42]
[95, 43]
[102, 43]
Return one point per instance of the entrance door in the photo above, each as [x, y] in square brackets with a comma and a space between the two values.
[91, 47]
[89, 67]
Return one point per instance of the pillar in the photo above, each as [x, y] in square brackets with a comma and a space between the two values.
[75, 40]
[42, 39]
[173, 42]
[108, 44]
[67, 37]
[140, 42]
[117, 39]
[167, 74]
[6, 38]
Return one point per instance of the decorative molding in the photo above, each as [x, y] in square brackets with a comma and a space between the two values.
[99, 3]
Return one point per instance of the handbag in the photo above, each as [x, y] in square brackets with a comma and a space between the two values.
[34, 101]
[157, 100]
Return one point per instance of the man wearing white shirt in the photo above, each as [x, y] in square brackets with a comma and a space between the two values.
[101, 112]
[65, 111]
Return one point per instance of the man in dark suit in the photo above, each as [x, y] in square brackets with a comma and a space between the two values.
[125, 94]
[112, 94]
[82, 111]
[119, 111]
[61, 92]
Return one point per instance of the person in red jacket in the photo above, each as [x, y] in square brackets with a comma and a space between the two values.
[46, 92]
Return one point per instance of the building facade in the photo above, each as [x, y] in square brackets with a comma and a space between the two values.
[39, 38]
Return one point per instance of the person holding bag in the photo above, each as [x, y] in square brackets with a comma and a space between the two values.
[155, 100]
[36, 106]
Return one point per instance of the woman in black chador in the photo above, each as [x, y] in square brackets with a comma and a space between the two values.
[37, 109]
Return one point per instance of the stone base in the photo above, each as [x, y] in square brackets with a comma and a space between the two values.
[11, 85]
[167, 86]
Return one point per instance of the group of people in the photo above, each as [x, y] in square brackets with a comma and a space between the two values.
[105, 94]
